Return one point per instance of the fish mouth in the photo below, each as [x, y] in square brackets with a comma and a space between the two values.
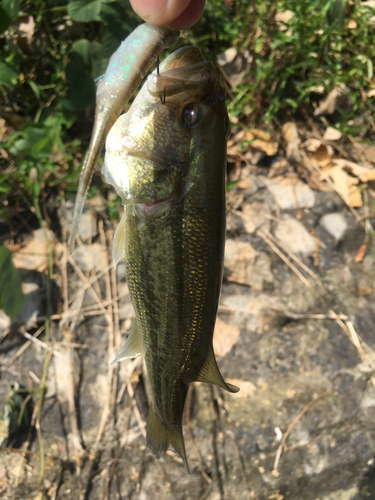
[145, 211]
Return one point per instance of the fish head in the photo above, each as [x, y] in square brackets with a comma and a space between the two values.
[150, 148]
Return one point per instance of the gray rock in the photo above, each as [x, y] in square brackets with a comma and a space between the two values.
[335, 224]
[290, 193]
[295, 237]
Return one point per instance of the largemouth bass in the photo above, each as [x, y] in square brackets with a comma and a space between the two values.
[166, 158]
[126, 70]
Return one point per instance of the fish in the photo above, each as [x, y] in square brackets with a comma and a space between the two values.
[126, 69]
[166, 158]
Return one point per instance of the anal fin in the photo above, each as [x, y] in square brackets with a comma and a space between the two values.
[133, 346]
[210, 374]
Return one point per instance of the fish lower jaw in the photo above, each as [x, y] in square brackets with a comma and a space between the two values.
[146, 211]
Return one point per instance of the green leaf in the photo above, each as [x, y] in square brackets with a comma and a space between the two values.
[8, 76]
[231, 185]
[91, 56]
[118, 25]
[82, 86]
[11, 296]
[85, 11]
[8, 11]
[370, 69]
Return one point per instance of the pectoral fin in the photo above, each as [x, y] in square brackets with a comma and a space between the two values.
[119, 242]
[133, 346]
[210, 374]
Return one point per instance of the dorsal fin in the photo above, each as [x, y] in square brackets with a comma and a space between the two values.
[211, 375]
[133, 346]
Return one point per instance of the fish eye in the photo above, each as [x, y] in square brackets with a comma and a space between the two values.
[191, 114]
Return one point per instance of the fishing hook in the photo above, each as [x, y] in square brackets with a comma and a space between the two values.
[162, 99]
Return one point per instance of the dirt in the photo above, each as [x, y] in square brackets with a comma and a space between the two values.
[304, 361]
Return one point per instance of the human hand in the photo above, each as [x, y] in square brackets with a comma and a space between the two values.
[179, 14]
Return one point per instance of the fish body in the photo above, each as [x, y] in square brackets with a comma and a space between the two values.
[166, 158]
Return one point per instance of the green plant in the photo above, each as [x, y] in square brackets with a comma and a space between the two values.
[11, 296]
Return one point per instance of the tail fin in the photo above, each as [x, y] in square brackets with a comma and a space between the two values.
[160, 436]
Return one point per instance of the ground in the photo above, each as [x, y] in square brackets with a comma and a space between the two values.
[295, 333]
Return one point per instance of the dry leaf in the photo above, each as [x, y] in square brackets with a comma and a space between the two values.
[290, 132]
[262, 141]
[4, 134]
[235, 64]
[355, 195]
[27, 28]
[316, 182]
[364, 174]
[371, 93]
[361, 253]
[225, 337]
[352, 24]
[283, 17]
[34, 255]
[331, 134]
[245, 183]
[338, 98]
[340, 181]
[320, 153]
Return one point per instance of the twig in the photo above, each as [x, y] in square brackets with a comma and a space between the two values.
[26, 345]
[136, 410]
[305, 281]
[290, 428]
[118, 450]
[109, 314]
[298, 261]
[293, 315]
[188, 423]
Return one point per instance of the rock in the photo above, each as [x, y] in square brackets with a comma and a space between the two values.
[290, 192]
[255, 313]
[295, 237]
[34, 296]
[225, 337]
[5, 322]
[254, 217]
[332, 134]
[90, 257]
[87, 227]
[245, 265]
[34, 254]
[335, 224]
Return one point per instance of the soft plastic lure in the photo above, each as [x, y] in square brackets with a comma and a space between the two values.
[126, 70]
